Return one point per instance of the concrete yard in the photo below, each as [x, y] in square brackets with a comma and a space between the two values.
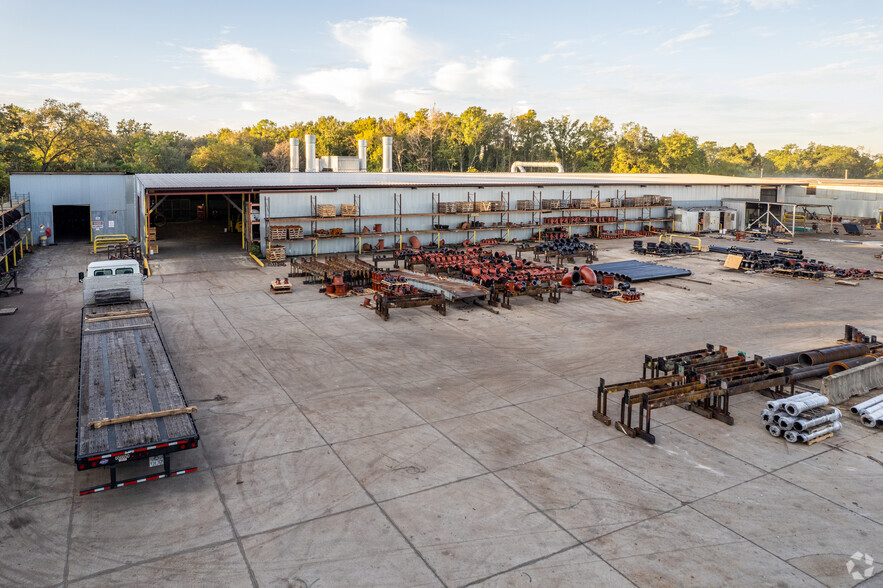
[341, 450]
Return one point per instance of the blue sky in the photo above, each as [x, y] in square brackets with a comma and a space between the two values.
[768, 71]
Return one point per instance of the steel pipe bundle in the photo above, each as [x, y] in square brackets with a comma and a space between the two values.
[795, 407]
[816, 433]
[805, 424]
[786, 417]
[834, 353]
[777, 404]
[786, 423]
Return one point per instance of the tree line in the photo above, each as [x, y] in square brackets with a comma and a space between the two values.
[66, 137]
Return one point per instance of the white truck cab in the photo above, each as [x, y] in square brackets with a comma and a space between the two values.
[111, 279]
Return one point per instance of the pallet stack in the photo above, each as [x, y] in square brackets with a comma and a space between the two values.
[348, 210]
[326, 210]
[483, 206]
[447, 207]
[551, 204]
[295, 232]
[524, 205]
[275, 254]
[464, 206]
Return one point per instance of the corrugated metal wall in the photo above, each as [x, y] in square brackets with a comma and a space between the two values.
[109, 196]
[848, 201]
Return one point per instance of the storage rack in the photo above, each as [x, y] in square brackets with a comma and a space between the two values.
[502, 225]
[21, 202]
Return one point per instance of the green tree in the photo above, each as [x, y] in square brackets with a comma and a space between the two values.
[528, 137]
[596, 146]
[681, 154]
[14, 153]
[224, 154]
[636, 151]
[59, 135]
[566, 137]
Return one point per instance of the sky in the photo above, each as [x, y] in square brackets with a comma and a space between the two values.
[771, 72]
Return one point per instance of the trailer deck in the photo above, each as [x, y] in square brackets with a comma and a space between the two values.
[125, 371]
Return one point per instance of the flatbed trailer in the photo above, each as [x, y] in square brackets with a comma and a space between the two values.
[125, 372]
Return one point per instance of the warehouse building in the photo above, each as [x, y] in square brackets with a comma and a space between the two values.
[342, 208]
[381, 206]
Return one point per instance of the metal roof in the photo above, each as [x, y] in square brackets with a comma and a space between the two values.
[330, 180]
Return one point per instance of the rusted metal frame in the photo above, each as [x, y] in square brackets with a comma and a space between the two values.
[665, 362]
[600, 413]
[723, 364]
[643, 383]
[738, 372]
[740, 387]
[709, 362]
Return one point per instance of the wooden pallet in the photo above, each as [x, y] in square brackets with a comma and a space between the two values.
[822, 438]
[621, 299]
[280, 288]
[326, 210]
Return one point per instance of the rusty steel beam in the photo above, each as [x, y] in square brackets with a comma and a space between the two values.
[739, 387]
[642, 383]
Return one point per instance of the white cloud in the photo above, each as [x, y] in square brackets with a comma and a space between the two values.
[702, 31]
[383, 45]
[491, 74]
[64, 78]
[347, 86]
[865, 38]
[762, 4]
[238, 62]
[755, 4]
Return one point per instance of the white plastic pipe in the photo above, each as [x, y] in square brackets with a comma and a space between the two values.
[777, 404]
[777, 415]
[862, 406]
[774, 430]
[293, 154]
[387, 155]
[791, 436]
[832, 428]
[766, 415]
[796, 407]
[803, 424]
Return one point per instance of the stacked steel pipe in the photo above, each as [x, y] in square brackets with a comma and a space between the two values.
[489, 268]
[871, 411]
[789, 259]
[801, 417]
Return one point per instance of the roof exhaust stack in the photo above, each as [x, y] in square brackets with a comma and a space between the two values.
[387, 155]
[293, 154]
[311, 164]
[363, 155]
